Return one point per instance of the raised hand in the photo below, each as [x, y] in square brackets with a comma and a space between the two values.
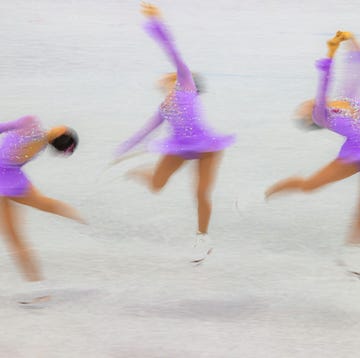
[334, 43]
[150, 10]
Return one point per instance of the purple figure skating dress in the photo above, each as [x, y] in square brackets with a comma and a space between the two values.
[17, 137]
[190, 135]
[345, 122]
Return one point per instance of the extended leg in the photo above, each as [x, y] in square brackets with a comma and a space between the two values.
[36, 200]
[335, 171]
[156, 178]
[20, 249]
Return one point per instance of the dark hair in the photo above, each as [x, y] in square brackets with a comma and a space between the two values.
[199, 83]
[66, 142]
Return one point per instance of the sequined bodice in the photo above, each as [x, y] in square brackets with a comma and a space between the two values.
[19, 146]
[345, 121]
[182, 109]
[353, 113]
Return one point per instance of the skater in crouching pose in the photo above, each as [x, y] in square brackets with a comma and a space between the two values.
[191, 138]
[22, 140]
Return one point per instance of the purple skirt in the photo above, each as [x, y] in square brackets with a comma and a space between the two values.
[350, 152]
[192, 147]
[13, 182]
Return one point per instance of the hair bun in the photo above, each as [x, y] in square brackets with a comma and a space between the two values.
[66, 142]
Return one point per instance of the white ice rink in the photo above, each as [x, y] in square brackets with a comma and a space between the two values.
[123, 287]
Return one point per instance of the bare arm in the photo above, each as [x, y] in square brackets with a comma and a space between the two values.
[324, 66]
[15, 124]
[157, 29]
[320, 108]
[149, 127]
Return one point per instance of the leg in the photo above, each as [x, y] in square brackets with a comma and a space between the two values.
[156, 178]
[166, 167]
[20, 250]
[36, 200]
[207, 170]
[335, 171]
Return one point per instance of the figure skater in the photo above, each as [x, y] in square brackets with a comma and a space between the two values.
[191, 138]
[340, 116]
[23, 139]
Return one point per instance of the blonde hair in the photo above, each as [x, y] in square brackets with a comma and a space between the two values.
[169, 80]
[340, 104]
[304, 111]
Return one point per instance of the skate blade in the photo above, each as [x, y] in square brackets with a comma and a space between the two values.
[38, 302]
[355, 274]
[199, 261]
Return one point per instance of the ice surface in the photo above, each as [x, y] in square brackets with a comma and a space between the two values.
[123, 286]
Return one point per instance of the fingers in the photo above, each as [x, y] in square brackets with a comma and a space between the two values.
[149, 10]
[348, 35]
[334, 43]
[341, 36]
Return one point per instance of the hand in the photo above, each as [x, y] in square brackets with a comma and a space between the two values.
[150, 10]
[344, 35]
[340, 36]
[334, 43]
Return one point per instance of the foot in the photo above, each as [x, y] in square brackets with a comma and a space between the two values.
[290, 184]
[37, 295]
[142, 174]
[201, 248]
[82, 221]
[272, 190]
[35, 301]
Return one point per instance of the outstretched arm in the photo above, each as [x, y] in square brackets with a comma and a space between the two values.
[16, 124]
[320, 108]
[129, 144]
[324, 66]
[157, 29]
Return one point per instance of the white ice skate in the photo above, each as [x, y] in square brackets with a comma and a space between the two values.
[350, 259]
[37, 296]
[201, 248]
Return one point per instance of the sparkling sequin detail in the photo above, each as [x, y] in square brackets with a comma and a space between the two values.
[344, 121]
[190, 134]
[179, 109]
[352, 114]
[17, 146]
[21, 140]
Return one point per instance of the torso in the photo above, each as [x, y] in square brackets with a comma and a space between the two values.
[20, 146]
[181, 109]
